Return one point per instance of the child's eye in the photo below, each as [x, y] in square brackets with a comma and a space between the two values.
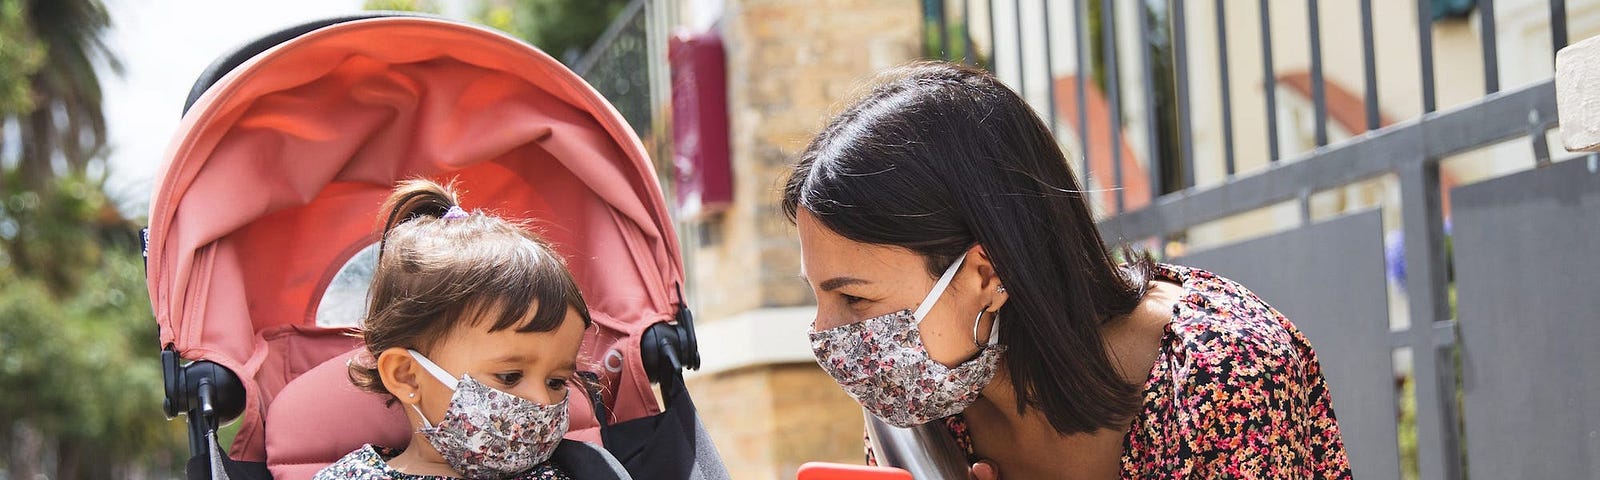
[510, 379]
[556, 384]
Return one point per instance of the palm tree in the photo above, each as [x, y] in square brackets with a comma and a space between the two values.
[50, 96]
[62, 127]
[69, 263]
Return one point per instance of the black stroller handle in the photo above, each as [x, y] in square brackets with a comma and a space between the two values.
[238, 56]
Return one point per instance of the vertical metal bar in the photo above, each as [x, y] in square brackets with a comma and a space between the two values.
[1304, 202]
[1081, 44]
[968, 57]
[1269, 81]
[1022, 60]
[1369, 65]
[1319, 97]
[1433, 372]
[1227, 100]
[1537, 129]
[1491, 51]
[944, 28]
[1558, 25]
[1180, 62]
[1108, 37]
[1152, 156]
[1049, 64]
[1425, 47]
[994, 41]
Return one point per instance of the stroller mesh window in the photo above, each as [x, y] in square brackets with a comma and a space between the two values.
[344, 303]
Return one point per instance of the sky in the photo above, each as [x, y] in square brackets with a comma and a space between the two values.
[163, 45]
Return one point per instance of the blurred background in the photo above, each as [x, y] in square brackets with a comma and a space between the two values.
[90, 93]
[1390, 174]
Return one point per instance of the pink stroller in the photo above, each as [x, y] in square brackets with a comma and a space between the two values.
[263, 221]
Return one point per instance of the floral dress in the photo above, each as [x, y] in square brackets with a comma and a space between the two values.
[1235, 392]
[372, 463]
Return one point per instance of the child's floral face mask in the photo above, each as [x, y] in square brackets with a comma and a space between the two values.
[490, 434]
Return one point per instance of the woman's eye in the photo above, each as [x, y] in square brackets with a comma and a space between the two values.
[509, 379]
[851, 299]
[556, 383]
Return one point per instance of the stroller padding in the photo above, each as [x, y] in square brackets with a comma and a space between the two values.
[319, 417]
[277, 172]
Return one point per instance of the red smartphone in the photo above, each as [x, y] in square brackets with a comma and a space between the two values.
[841, 471]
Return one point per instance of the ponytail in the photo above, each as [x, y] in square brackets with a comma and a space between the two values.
[414, 199]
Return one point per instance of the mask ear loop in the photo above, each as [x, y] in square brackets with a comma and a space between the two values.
[426, 425]
[434, 369]
[938, 289]
[438, 373]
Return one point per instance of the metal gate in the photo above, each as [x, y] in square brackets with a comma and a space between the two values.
[1494, 276]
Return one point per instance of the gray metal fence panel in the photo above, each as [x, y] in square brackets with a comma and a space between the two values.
[1525, 250]
[1328, 278]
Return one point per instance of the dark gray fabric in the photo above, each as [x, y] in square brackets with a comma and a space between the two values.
[1526, 258]
[585, 461]
[670, 445]
[707, 461]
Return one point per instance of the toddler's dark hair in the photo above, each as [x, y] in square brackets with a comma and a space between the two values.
[435, 274]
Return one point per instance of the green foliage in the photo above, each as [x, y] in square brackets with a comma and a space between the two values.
[425, 6]
[77, 339]
[61, 125]
[77, 333]
[21, 55]
[957, 50]
[563, 28]
[58, 235]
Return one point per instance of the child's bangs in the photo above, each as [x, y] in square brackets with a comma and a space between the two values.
[527, 299]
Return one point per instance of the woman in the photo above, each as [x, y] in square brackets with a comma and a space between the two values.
[1043, 355]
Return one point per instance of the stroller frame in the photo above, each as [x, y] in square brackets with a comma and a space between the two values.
[210, 395]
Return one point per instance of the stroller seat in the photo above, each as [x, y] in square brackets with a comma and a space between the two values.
[320, 416]
[272, 185]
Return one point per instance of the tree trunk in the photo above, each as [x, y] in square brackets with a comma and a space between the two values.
[34, 166]
[69, 458]
[27, 450]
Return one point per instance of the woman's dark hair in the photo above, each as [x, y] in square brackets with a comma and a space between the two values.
[939, 157]
[435, 274]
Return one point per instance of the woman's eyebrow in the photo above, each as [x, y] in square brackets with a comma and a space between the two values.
[836, 283]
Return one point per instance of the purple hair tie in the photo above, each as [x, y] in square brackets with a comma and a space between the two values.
[454, 212]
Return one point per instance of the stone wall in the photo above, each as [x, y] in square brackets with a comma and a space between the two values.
[766, 421]
[791, 64]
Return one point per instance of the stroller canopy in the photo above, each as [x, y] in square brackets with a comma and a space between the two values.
[275, 176]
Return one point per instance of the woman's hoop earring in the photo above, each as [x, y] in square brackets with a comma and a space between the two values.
[975, 323]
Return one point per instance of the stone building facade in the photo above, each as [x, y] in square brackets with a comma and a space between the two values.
[790, 65]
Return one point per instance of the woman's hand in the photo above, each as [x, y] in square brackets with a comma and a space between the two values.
[984, 470]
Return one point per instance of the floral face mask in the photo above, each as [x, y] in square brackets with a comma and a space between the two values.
[490, 434]
[882, 363]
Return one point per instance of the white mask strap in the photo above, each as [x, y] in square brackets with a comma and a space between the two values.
[432, 368]
[425, 422]
[938, 289]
